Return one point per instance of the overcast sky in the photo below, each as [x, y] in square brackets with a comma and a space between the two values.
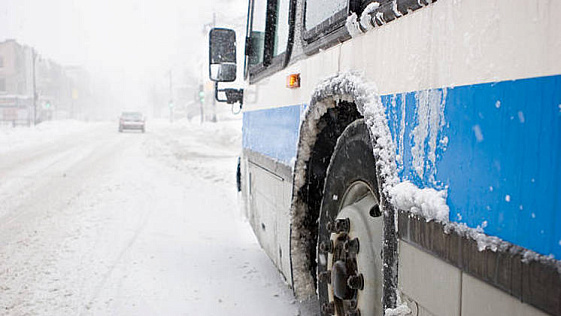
[134, 37]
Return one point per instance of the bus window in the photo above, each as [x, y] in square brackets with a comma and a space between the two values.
[281, 32]
[318, 11]
[258, 23]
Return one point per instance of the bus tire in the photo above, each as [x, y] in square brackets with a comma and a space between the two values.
[350, 231]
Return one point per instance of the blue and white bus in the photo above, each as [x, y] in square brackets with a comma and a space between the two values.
[403, 157]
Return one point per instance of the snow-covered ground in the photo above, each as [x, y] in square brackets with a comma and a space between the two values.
[94, 222]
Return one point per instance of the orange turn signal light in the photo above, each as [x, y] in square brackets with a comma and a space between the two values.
[293, 81]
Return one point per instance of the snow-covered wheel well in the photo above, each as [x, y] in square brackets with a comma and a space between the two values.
[335, 103]
[309, 195]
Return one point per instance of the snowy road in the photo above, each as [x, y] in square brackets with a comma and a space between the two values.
[93, 222]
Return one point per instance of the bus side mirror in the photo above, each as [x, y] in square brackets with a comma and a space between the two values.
[222, 55]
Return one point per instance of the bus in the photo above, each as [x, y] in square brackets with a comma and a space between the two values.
[403, 157]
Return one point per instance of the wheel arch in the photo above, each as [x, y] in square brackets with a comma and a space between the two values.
[335, 103]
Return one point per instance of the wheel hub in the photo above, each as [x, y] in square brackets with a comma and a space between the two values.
[353, 273]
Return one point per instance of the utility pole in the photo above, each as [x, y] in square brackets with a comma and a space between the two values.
[170, 105]
[206, 28]
[202, 101]
[34, 58]
[214, 86]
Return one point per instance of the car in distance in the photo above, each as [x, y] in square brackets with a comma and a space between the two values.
[132, 121]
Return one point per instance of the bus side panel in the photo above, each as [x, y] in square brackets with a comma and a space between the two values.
[273, 132]
[498, 148]
[269, 140]
[498, 151]
[495, 147]
[438, 288]
[269, 215]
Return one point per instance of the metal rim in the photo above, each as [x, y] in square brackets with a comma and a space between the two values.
[354, 260]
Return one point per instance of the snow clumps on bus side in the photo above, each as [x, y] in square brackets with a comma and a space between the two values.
[352, 25]
[358, 25]
[426, 202]
[400, 310]
[403, 195]
[366, 18]
[429, 203]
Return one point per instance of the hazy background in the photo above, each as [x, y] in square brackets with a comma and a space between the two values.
[130, 45]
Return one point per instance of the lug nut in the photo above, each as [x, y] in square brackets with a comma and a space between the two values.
[325, 276]
[342, 225]
[326, 246]
[356, 282]
[328, 308]
[352, 246]
[330, 227]
[352, 304]
[375, 211]
[352, 308]
[355, 312]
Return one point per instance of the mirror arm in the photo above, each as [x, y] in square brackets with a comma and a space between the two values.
[247, 45]
[216, 90]
[232, 95]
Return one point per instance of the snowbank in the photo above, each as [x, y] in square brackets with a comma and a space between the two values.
[182, 145]
[14, 138]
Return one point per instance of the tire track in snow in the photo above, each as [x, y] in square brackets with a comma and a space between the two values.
[27, 259]
[101, 284]
[39, 183]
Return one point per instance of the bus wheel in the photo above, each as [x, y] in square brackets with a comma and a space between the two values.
[350, 280]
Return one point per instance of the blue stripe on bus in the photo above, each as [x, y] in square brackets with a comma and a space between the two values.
[498, 152]
[273, 132]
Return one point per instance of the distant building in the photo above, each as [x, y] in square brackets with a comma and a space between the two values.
[61, 92]
[15, 70]
[16, 84]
